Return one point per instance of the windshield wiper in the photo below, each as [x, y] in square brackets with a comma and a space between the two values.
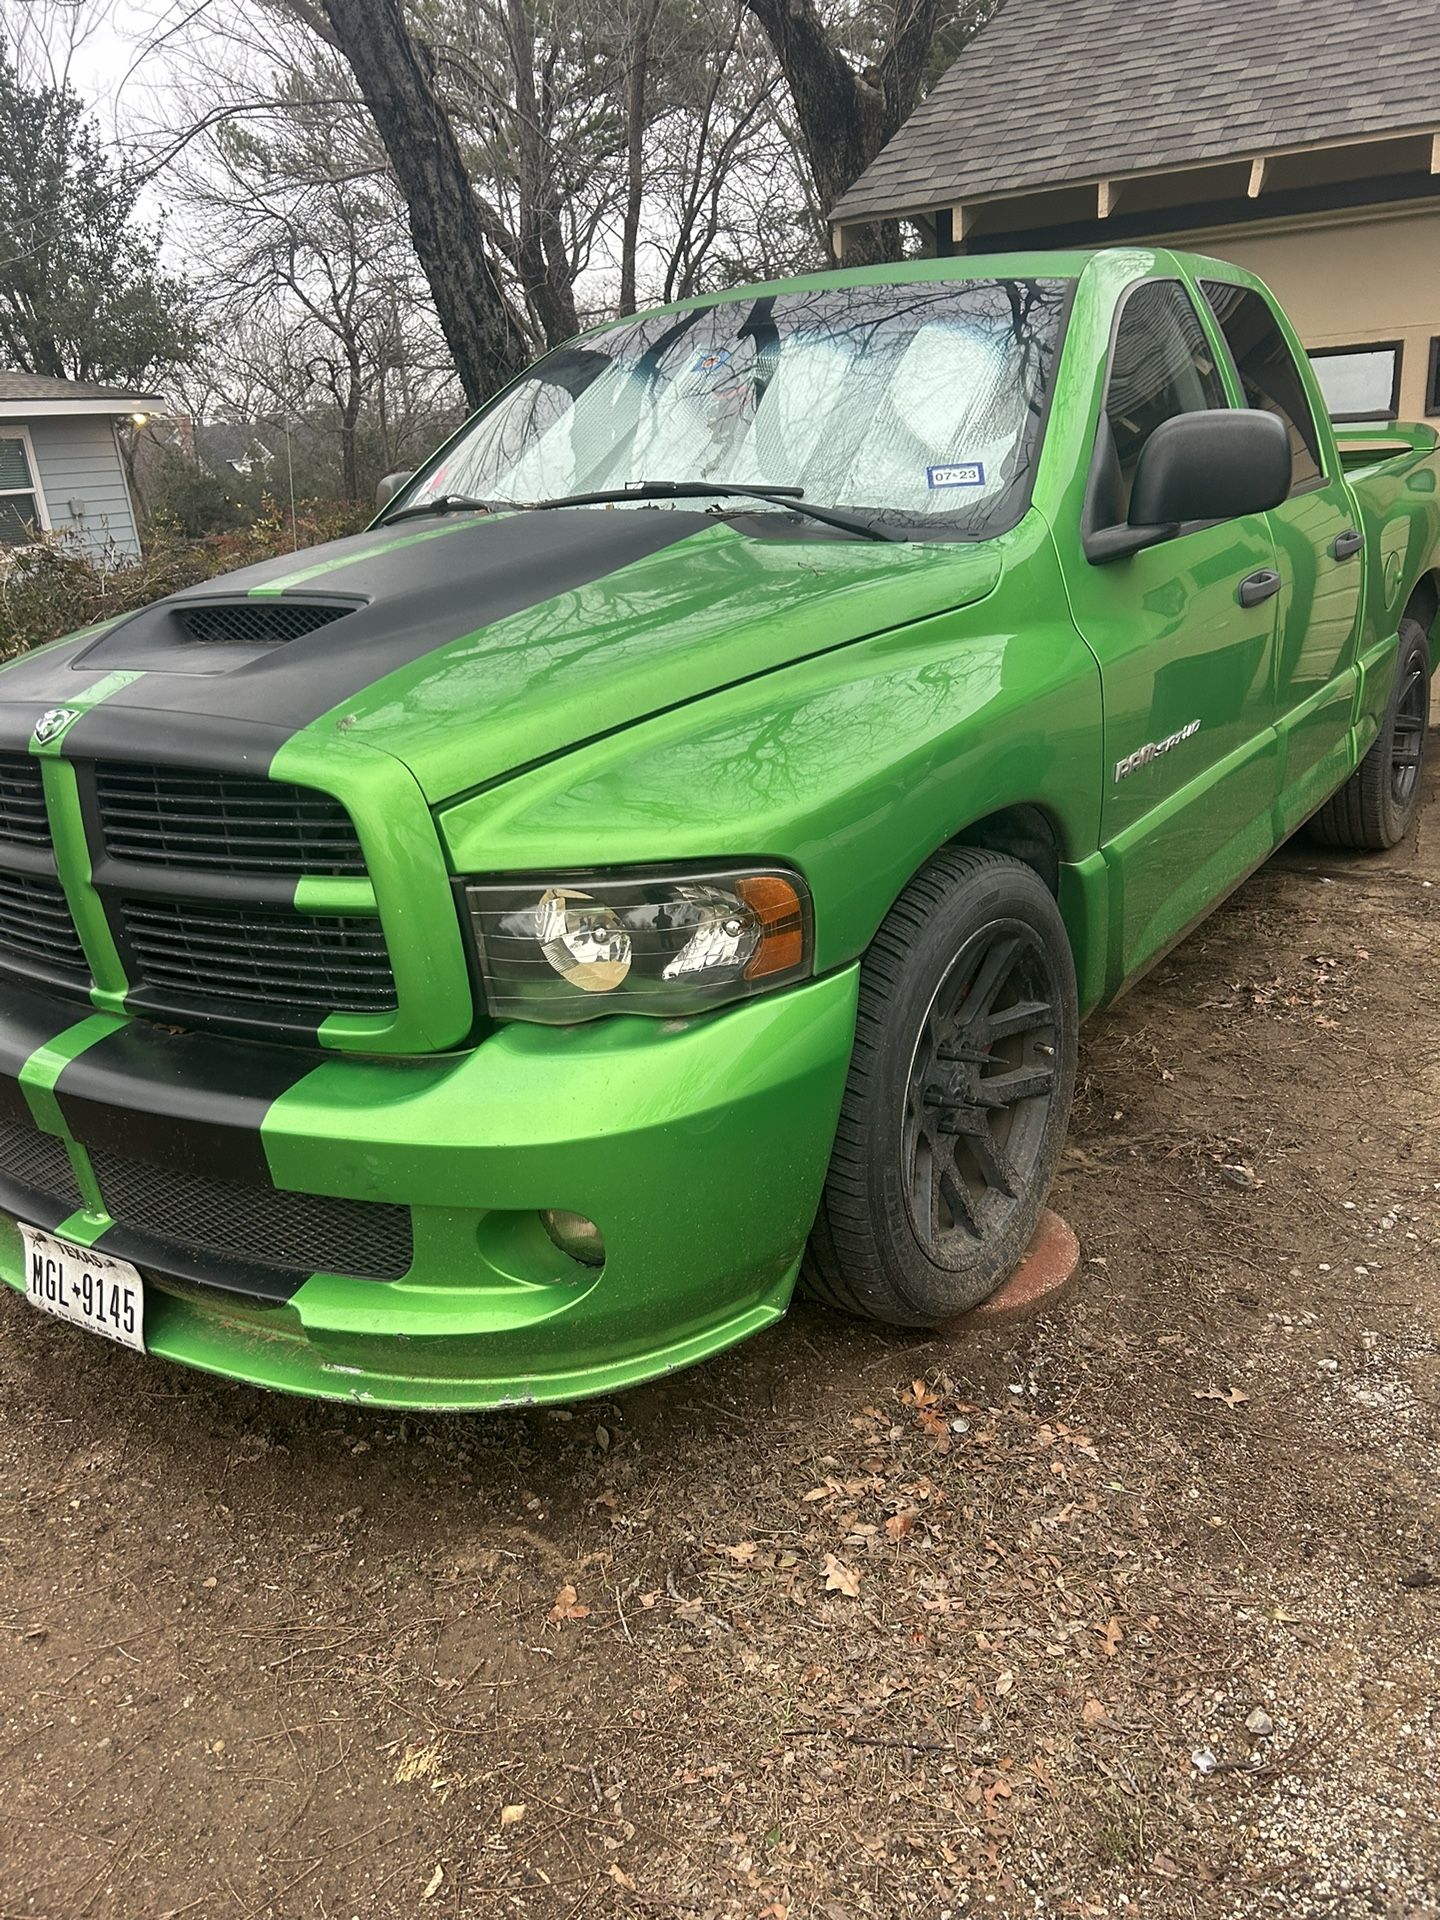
[791, 497]
[446, 503]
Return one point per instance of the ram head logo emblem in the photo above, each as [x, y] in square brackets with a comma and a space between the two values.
[51, 725]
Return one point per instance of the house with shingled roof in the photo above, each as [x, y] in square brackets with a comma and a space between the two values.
[1298, 138]
[61, 466]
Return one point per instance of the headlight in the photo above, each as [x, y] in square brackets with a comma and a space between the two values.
[565, 948]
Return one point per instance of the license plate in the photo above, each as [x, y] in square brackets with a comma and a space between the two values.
[89, 1289]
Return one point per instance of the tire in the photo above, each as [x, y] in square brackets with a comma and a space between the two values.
[1377, 805]
[970, 972]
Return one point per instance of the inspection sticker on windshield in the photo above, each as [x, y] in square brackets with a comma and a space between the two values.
[967, 473]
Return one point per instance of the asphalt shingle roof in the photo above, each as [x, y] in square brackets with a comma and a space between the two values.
[1053, 91]
[41, 386]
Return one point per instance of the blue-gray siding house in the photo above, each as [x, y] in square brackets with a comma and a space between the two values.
[60, 463]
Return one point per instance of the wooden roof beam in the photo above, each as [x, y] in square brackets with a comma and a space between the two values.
[1258, 169]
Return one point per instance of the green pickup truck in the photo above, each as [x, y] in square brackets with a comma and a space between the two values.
[494, 958]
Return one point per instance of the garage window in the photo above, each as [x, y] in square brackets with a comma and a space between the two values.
[1432, 381]
[21, 508]
[1360, 383]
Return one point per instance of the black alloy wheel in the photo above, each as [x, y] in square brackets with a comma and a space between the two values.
[959, 1093]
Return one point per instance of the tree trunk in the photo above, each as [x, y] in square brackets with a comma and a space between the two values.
[845, 118]
[539, 242]
[643, 26]
[349, 425]
[485, 339]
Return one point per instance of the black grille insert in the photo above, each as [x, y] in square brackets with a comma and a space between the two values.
[36, 928]
[222, 822]
[256, 1226]
[38, 1161]
[256, 622]
[284, 962]
[22, 801]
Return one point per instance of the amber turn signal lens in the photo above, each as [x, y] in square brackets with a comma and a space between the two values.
[782, 924]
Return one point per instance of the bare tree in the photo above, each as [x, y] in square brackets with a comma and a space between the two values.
[451, 241]
[847, 109]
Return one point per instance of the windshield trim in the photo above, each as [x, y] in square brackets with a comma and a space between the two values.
[919, 528]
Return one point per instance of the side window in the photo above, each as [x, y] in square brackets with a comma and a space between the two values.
[19, 503]
[1269, 377]
[1161, 366]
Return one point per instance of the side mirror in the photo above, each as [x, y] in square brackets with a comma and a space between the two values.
[1201, 466]
[390, 486]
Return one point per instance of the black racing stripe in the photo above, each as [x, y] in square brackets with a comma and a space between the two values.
[189, 1100]
[14, 1108]
[27, 1021]
[165, 1262]
[52, 677]
[418, 598]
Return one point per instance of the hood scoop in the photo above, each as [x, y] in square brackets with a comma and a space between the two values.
[256, 622]
[209, 634]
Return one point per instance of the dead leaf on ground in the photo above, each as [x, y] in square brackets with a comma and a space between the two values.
[742, 1553]
[510, 1815]
[433, 1887]
[841, 1579]
[1229, 1396]
[1005, 1683]
[567, 1606]
[621, 1878]
[1111, 1634]
[1094, 1712]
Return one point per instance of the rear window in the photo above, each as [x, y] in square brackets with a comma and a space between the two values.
[1269, 376]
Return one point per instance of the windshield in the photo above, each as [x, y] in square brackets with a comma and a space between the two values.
[921, 401]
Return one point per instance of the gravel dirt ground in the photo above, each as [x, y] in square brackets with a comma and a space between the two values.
[1132, 1608]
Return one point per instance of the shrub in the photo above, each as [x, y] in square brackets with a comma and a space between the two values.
[50, 588]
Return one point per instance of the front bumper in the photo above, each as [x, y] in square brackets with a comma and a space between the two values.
[699, 1148]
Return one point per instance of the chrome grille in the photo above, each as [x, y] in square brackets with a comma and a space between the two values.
[222, 822]
[297, 963]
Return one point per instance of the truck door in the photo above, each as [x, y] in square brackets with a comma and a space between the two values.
[1184, 635]
[1317, 544]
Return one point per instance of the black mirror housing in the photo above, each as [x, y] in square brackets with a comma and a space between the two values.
[1211, 466]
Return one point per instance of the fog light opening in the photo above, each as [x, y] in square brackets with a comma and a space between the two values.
[574, 1234]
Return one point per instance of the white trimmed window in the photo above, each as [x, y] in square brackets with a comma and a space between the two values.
[22, 505]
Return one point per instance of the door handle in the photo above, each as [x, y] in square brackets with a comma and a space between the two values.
[1346, 545]
[1260, 586]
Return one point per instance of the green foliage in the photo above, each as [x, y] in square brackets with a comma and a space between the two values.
[48, 589]
[83, 296]
[196, 501]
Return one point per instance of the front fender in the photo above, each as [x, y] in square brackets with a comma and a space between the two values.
[853, 767]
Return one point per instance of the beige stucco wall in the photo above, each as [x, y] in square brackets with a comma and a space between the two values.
[1348, 281]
